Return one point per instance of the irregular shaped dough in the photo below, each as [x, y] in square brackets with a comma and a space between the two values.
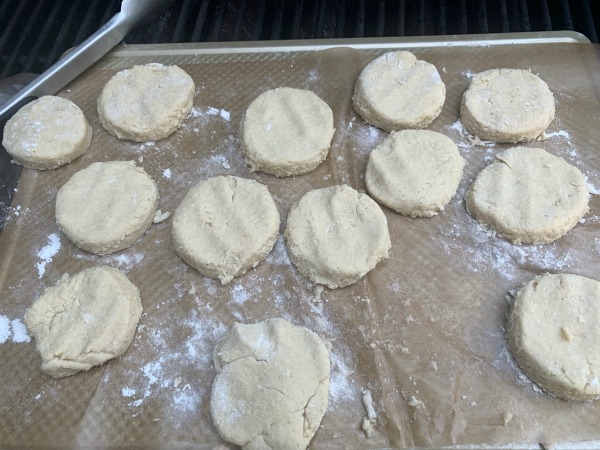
[225, 225]
[398, 91]
[336, 235]
[414, 172]
[553, 332]
[271, 387]
[84, 320]
[529, 196]
[146, 103]
[47, 133]
[507, 105]
[107, 206]
[286, 132]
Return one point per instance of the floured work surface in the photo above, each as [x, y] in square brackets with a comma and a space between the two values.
[424, 331]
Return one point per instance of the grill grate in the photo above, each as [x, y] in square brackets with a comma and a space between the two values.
[35, 33]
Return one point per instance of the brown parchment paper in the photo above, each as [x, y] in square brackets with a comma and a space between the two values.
[424, 331]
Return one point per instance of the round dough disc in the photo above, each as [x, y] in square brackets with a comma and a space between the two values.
[397, 91]
[507, 105]
[107, 206]
[336, 235]
[529, 196]
[286, 132]
[225, 225]
[84, 320]
[271, 386]
[47, 133]
[414, 172]
[146, 103]
[553, 332]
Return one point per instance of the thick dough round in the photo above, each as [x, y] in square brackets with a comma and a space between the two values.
[507, 105]
[271, 387]
[286, 132]
[397, 91]
[336, 235]
[553, 332]
[47, 133]
[414, 172]
[146, 103]
[225, 225]
[84, 320]
[529, 196]
[107, 206]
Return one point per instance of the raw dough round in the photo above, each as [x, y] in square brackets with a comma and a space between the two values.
[84, 320]
[414, 172]
[225, 225]
[336, 235]
[529, 196]
[507, 105]
[47, 133]
[553, 332]
[271, 387]
[398, 91]
[107, 206]
[286, 132]
[146, 103]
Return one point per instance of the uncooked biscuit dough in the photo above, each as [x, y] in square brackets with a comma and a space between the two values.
[286, 132]
[146, 103]
[225, 225]
[107, 206]
[553, 332]
[529, 196]
[47, 133]
[271, 387]
[84, 320]
[336, 235]
[507, 105]
[414, 172]
[397, 91]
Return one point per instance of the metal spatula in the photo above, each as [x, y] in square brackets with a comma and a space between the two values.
[133, 13]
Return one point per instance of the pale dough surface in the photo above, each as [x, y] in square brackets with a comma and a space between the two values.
[336, 235]
[107, 206]
[553, 332]
[507, 105]
[84, 320]
[47, 133]
[225, 225]
[396, 91]
[272, 384]
[414, 172]
[529, 196]
[146, 103]
[286, 132]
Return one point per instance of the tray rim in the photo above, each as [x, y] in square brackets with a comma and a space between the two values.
[380, 43]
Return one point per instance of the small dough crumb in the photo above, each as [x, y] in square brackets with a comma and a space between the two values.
[507, 417]
[160, 216]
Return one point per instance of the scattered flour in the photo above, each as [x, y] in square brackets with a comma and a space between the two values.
[13, 331]
[46, 253]
[167, 173]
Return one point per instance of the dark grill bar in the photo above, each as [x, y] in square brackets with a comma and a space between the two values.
[33, 34]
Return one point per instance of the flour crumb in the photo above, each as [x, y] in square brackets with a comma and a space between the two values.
[186, 387]
[177, 382]
[415, 402]
[226, 165]
[507, 417]
[367, 399]
[167, 173]
[128, 392]
[433, 365]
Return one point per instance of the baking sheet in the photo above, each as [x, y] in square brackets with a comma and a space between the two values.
[424, 331]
